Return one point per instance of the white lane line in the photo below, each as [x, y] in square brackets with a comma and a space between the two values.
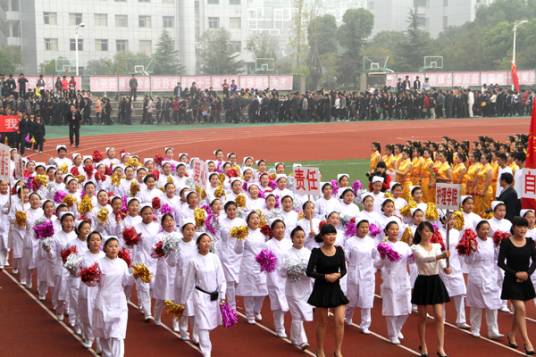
[47, 310]
[170, 330]
[469, 333]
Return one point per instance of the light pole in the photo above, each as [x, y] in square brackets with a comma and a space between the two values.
[516, 25]
[76, 35]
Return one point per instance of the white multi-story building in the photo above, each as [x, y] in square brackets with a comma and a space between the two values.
[390, 15]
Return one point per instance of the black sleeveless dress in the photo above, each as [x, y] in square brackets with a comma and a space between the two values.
[326, 294]
[514, 259]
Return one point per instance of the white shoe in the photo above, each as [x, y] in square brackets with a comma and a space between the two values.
[475, 333]
[60, 317]
[78, 331]
[185, 336]
[251, 321]
[148, 318]
[23, 283]
[258, 317]
[87, 343]
[157, 322]
[505, 308]
[395, 341]
[463, 326]
[365, 331]
[175, 326]
[400, 336]
[42, 298]
[282, 334]
[303, 346]
[348, 322]
[495, 336]
[15, 271]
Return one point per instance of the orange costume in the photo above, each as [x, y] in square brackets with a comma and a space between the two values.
[469, 179]
[440, 170]
[458, 172]
[426, 179]
[375, 157]
[404, 178]
[484, 189]
[416, 168]
[389, 161]
[495, 174]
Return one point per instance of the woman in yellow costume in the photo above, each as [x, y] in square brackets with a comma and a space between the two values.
[469, 179]
[388, 157]
[494, 172]
[397, 153]
[403, 172]
[458, 168]
[416, 166]
[442, 172]
[426, 176]
[375, 157]
[484, 190]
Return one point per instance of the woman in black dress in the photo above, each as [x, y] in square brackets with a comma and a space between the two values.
[327, 265]
[514, 258]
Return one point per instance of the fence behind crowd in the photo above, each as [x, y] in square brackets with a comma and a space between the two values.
[167, 83]
[465, 79]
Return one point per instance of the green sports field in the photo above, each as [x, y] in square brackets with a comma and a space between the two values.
[356, 168]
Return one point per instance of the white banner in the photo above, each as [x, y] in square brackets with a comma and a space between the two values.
[4, 163]
[448, 196]
[529, 183]
[307, 180]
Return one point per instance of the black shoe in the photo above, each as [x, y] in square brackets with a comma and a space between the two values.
[440, 355]
[529, 353]
[510, 344]
[421, 352]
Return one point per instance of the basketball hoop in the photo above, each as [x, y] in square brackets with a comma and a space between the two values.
[433, 62]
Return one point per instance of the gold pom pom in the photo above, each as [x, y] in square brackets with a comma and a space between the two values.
[200, 215]
[69, 200]
[63, 169]
[134, 162]
[407, 236]
[200, 192]
[140, 271]
[431, 212]
[240, 200]
[174, 309]
[458, 221]
[116, 179]
[406, 210]
[102, 215]
[85, 205]
[42, 180]
[20, 218]
[219, 191]
[134, 188]
[239, 232]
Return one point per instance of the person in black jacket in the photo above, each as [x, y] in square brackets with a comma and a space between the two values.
[74, 118]
[509, 196]
[38, 133]
[24, 130]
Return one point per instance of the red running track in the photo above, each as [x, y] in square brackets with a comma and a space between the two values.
[325, 141]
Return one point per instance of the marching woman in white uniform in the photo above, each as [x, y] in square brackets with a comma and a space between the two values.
[148, 229]
[455, 282]
[110, 314]
[17, 230]
[288, 214]
[348, 209]
[470, 219]
[277, 279]
[298, 287]
[87, 294]
[395, 287]
[230, 259]
[31, 245]
[361, 253]
[41, 263]
[252, 283]
[164, 278]
[310, 224]
[205, 285]
[483, 293]
[327, 203]
[149, 192]
[185, 253]
[429, 289]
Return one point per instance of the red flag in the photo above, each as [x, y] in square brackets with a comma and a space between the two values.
[515, 77]
[530, 163]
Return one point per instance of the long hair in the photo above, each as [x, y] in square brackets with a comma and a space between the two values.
[417, 238]
[326, 229]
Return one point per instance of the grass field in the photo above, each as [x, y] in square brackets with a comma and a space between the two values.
[329, 169]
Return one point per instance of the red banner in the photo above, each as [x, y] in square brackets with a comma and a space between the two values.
[9, 123]
[515, 77]
[530, 163]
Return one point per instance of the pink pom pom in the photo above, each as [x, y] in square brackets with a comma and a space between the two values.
[229, 316]
[350, 228]
[267, 260]
[386, 251]
[374, 230]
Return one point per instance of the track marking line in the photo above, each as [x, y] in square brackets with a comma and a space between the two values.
[47, 310]
[170, 330]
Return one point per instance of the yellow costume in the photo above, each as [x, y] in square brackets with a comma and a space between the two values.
[458, 172]
[404, 178]
[495, 174]
[469, 179]
[484, 189]
[416, 168]
[375, 157]
[426, 179]
[440, 170]
[389, 161]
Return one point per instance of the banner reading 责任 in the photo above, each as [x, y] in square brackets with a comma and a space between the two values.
[307, 180]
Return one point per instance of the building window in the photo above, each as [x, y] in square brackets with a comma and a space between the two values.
[236, 46]
[168, 1]
[235, 23]
[213, 2]
[168, 22]
[72, 44]
[121, 20]
[144, 21]
[101, 20]
[144, 0]
[15, 28]
[445, 22]
[213, 22]
[101, 45]
[51, 44]
[50, 18]
[445, 3]
[75, 18]
[15, 5]
[146, 46]
[120, 0]
[234, 2]
[121, 45]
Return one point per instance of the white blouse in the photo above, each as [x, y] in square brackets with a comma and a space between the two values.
[426, 260]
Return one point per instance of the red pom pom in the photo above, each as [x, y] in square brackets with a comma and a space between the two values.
[464, 246]
[125, 255]
[66, 252]
[158, 159]
[74, 171]
[499, 236]
[108, 171]
[156, 203]
[88, 169]
[156, 174]
[266, 230]
[437, 238]
[97, 156]
[131, 237]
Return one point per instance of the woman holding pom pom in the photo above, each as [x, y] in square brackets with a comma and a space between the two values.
[252, 283]
[298, 287]
[204, 284]
[361, 254]
[395, 287]
[327, 265]
[482, 290]
[186, 251]
[277, 279]
[429, 289]
[110, 314]
[514, 256]
[148, 229]
[87, 294]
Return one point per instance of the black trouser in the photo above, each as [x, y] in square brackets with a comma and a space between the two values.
[134, 93]
[74, 134]
[38, 145]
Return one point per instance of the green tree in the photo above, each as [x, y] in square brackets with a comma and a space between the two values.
[217, 55]
[386, 44]
[264, 46]
[166, 57]
[322, 35]
[56, 67]
[356, 27]
[417, 44]
[10, 59]
[124, 62]
[100, 67]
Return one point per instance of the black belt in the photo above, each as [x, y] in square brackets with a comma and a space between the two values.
[213, 295]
